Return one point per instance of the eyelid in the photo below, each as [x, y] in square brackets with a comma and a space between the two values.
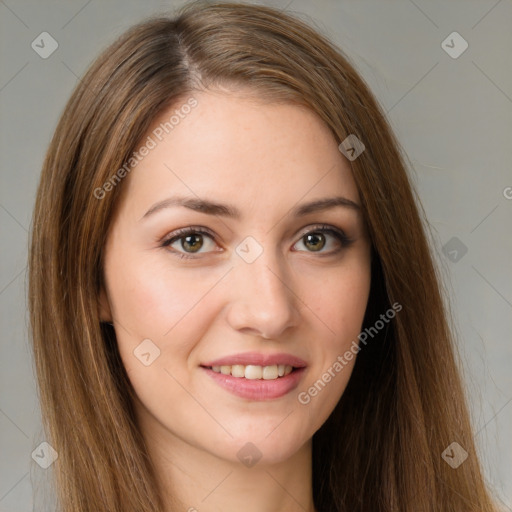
[322, 227]
[185, 231]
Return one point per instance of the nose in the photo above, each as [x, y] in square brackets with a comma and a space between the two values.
[264, 301]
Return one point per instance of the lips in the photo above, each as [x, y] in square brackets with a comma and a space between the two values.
[257, 389]
[264, 377]
[258, 359]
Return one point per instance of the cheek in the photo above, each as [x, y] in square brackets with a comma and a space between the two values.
[340, 301]
[348, 317]
[173, 308]
[149, 297]
[340, 306]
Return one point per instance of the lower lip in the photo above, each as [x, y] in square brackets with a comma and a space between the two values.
[257, 389]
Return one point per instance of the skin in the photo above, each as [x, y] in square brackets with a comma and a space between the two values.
[265, 159]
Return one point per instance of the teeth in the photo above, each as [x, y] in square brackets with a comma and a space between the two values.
[270, 372]
[254, 372]
[238, 370]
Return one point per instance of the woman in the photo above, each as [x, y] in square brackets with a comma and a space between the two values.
[232, 298]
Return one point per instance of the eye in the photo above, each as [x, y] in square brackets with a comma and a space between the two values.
[315, 239]
[189, 241]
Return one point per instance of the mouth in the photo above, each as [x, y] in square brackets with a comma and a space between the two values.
[256, 383]
[257, 376]
[254, 372]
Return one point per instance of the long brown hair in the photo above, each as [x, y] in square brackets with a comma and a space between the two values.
[381, 448]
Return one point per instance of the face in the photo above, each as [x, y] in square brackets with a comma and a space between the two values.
[223, 273]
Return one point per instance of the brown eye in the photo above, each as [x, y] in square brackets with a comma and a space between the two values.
[188, 241]
[315, 241]
[192, 243]
[319, 237]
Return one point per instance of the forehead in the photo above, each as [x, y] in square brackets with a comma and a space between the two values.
[238, 148]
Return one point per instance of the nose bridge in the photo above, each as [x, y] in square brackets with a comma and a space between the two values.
[263, 298]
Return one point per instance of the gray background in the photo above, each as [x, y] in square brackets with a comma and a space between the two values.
[453, 117]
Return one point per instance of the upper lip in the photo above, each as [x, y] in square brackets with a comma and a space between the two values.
[255, 358]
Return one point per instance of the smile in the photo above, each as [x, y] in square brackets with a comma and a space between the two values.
[254, 372]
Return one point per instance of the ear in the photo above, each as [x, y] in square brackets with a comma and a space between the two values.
[104, 310]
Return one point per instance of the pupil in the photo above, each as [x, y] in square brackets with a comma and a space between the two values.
[315, 238]
[187, 241]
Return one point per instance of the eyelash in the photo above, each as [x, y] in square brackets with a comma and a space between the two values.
[344, 240]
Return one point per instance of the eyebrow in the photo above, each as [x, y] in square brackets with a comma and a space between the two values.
[226, 210]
